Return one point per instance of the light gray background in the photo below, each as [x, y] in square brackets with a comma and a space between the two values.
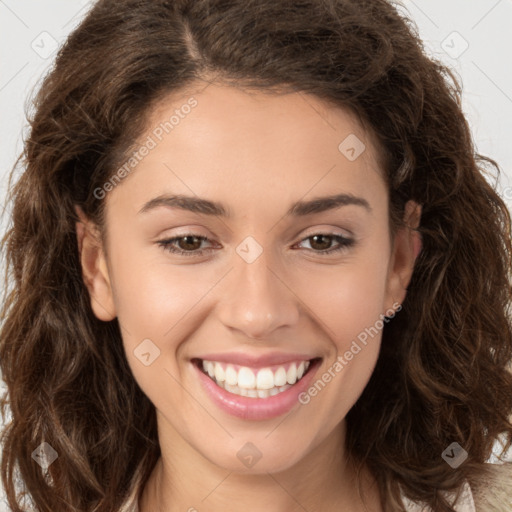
[474, 37]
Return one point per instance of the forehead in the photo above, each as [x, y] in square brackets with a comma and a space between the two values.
[225, 112]
[213, 138]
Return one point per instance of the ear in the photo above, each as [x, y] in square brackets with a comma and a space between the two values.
[94, 267]
[406, 248]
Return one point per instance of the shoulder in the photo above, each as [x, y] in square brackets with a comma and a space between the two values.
[490, 492]
[464, 503]
[493, 490]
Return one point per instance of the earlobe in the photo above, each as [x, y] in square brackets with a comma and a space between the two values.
[94, 268]
[406, 249]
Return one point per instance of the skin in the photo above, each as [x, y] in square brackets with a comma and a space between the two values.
[256, 153]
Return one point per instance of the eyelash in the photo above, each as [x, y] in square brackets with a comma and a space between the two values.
[344, 243]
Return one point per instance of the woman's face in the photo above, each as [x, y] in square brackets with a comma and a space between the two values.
[279, 279]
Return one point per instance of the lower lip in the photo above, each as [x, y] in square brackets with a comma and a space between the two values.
[257, 408]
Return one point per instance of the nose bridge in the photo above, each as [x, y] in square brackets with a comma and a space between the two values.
[258, 302]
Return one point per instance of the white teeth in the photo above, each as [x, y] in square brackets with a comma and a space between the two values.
[219, 373]
[253, 393]
[246, 378]
[300, 370]
[265, 379]
[265, 383]
[280, 377]
[291, 374]
[231, 375]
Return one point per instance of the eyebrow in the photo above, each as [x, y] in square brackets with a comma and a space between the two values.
[298, 209]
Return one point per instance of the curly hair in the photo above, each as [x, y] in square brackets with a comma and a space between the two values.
[443, 373]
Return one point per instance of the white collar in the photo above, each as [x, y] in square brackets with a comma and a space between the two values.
[465, 503]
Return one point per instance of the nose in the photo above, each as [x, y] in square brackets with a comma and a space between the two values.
[257, 299]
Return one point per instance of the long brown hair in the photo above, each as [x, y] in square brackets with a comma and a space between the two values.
[442, 373]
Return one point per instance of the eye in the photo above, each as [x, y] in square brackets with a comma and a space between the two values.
[187, 245]
[323, 242]
[190, 244]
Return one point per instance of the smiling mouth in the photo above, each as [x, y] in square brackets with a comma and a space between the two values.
[254, 382]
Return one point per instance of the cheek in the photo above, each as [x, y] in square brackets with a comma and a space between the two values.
[351, 298]
[350, 308]
[154, 300]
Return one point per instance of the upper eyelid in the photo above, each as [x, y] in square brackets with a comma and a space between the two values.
[308, 235]
[205, 238]
[346, 233]
[327, 231]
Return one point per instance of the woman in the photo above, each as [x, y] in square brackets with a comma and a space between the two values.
[256, 265]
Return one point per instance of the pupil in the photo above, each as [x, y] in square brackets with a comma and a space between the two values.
[186, 241]
[326, 244]
[189, 240]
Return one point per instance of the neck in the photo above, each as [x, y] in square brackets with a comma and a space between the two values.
[183, 480]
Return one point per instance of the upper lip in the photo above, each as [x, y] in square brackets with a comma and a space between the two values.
[262, 360]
